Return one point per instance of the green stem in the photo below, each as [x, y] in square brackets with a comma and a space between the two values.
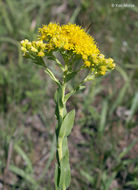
[60, 149]
[62, 172]
[64, 188]
[61, 106]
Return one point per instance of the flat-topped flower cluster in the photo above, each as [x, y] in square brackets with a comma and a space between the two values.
[68, 39]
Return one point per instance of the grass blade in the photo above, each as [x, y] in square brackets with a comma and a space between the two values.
[119, 99]
[25, 157]
[103, 116]
[134, 107]
[23, 174]
[126, 150]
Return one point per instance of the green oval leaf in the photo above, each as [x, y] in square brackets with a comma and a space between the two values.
[67, 124]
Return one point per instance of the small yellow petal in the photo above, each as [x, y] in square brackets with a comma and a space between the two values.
[41, 54]
[24, 49]
[87, 63]
[34, 49]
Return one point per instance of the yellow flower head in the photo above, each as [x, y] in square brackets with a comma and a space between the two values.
[41, 54]
[70, 39]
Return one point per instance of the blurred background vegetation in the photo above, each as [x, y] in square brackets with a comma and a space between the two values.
[103, 145]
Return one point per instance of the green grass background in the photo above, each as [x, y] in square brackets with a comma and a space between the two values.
[103, 144]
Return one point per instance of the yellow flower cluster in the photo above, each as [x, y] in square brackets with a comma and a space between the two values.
[69, 38]
[34, 47]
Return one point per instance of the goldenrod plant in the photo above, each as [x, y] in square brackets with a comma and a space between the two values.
[80, 54]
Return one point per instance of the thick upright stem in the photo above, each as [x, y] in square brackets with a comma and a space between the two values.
[65, 124]
[61, 107]
[64, 188]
